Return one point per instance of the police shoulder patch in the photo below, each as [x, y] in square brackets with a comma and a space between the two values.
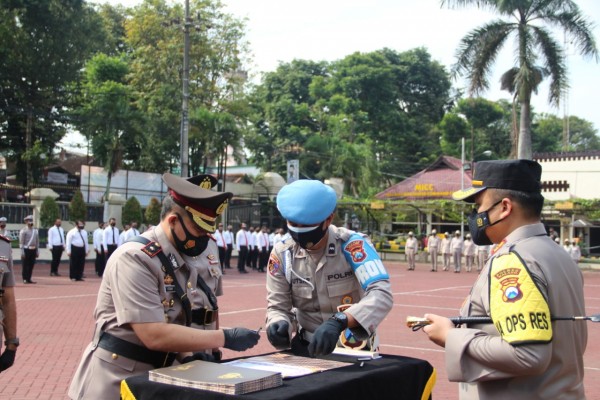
[274, 265]
[518, 308]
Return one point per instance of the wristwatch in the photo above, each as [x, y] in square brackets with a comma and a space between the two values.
[341, 318]
[13, 341]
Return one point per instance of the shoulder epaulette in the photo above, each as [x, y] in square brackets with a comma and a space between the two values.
[5, 238]
[152, 249]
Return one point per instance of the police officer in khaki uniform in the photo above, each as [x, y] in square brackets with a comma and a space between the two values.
[29, 242]
[323, 280]
[523, 354]
[433, 247]
[143, 312]
[8, 306]
[411, 248]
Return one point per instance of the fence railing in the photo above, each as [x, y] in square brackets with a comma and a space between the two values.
[15, 213]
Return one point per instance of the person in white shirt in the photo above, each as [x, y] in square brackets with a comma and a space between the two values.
[3, 221]
[242, 241]
[228, 236]
[446, 251]
[262, 242]
[97, 237]
[77, 250]
[131, 232]
[110, 241]
[410, 249]
[482, 254]
[56, 245]
[252, 248]
[278, 236]
[220, 239]
[469, 252]
[456, 245]
[433, 247]
[124, 234]
[575, 252]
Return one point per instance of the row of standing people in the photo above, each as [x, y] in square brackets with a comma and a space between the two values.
[451, 249]
[254, 246]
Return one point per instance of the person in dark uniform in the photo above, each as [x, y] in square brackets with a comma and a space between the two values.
[56, 244]
[8, 306]
[143, 313]
[29, 242]
[77, 249]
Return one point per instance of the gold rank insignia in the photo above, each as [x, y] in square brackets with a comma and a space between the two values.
[210, 256]
[168, 280]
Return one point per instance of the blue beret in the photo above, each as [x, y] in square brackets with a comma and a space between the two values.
[306, 202]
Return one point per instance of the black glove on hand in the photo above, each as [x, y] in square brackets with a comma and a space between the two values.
[240, 339]
[325, 338]
[278, 335]
[199, 356]
[7, 359]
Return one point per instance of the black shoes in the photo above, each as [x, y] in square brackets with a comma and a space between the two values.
[29, 282]
[55, 274]
[78, 280]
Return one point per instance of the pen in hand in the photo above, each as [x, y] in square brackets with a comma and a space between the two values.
[258, 330]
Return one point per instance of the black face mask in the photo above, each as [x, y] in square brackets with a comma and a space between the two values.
[192, 245]
[477, 224]
[307, 239]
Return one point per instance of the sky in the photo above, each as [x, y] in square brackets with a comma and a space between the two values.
[328, 30]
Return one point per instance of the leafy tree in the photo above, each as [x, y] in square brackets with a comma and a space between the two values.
[77, 208]
[152, 213]
[523, 18]
[132, 211]
[547, 131]
[107, 114]
[49, 212]
[43, 45]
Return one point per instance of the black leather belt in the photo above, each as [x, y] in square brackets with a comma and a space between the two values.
[204, 316]
[135, 352]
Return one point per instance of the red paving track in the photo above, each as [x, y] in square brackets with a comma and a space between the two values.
[55, 324]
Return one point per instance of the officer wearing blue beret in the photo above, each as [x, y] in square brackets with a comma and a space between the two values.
[325, 284]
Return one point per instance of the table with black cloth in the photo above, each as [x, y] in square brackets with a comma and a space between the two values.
[389, 377]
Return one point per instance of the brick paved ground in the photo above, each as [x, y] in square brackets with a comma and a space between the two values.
[55, 324]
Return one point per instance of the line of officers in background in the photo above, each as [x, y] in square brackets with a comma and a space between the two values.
[453, 248]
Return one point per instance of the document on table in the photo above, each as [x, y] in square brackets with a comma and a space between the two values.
[288, 365]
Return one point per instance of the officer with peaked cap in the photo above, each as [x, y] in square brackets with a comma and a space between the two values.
[143, 312]
[526, 281]
[29, 242]
[322, 280]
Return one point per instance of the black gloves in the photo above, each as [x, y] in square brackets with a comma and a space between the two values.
[199, 356]
[7, 359]
[325, 338]
[278, 335]
[240, 339]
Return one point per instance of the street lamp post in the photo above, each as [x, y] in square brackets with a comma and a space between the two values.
[186, 94]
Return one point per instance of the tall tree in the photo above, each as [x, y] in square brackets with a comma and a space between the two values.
[108, 116]
[523, 19]
[43, 45]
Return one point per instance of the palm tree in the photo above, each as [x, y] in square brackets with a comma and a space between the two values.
[523, 19]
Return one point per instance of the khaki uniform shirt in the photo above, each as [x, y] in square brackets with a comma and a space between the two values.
[499, 370]
[469, 248]
[412, 246]
[7, 278]
[29, 238]
[208, 267]
[433, 243]
[316, 289]
[134, 289]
